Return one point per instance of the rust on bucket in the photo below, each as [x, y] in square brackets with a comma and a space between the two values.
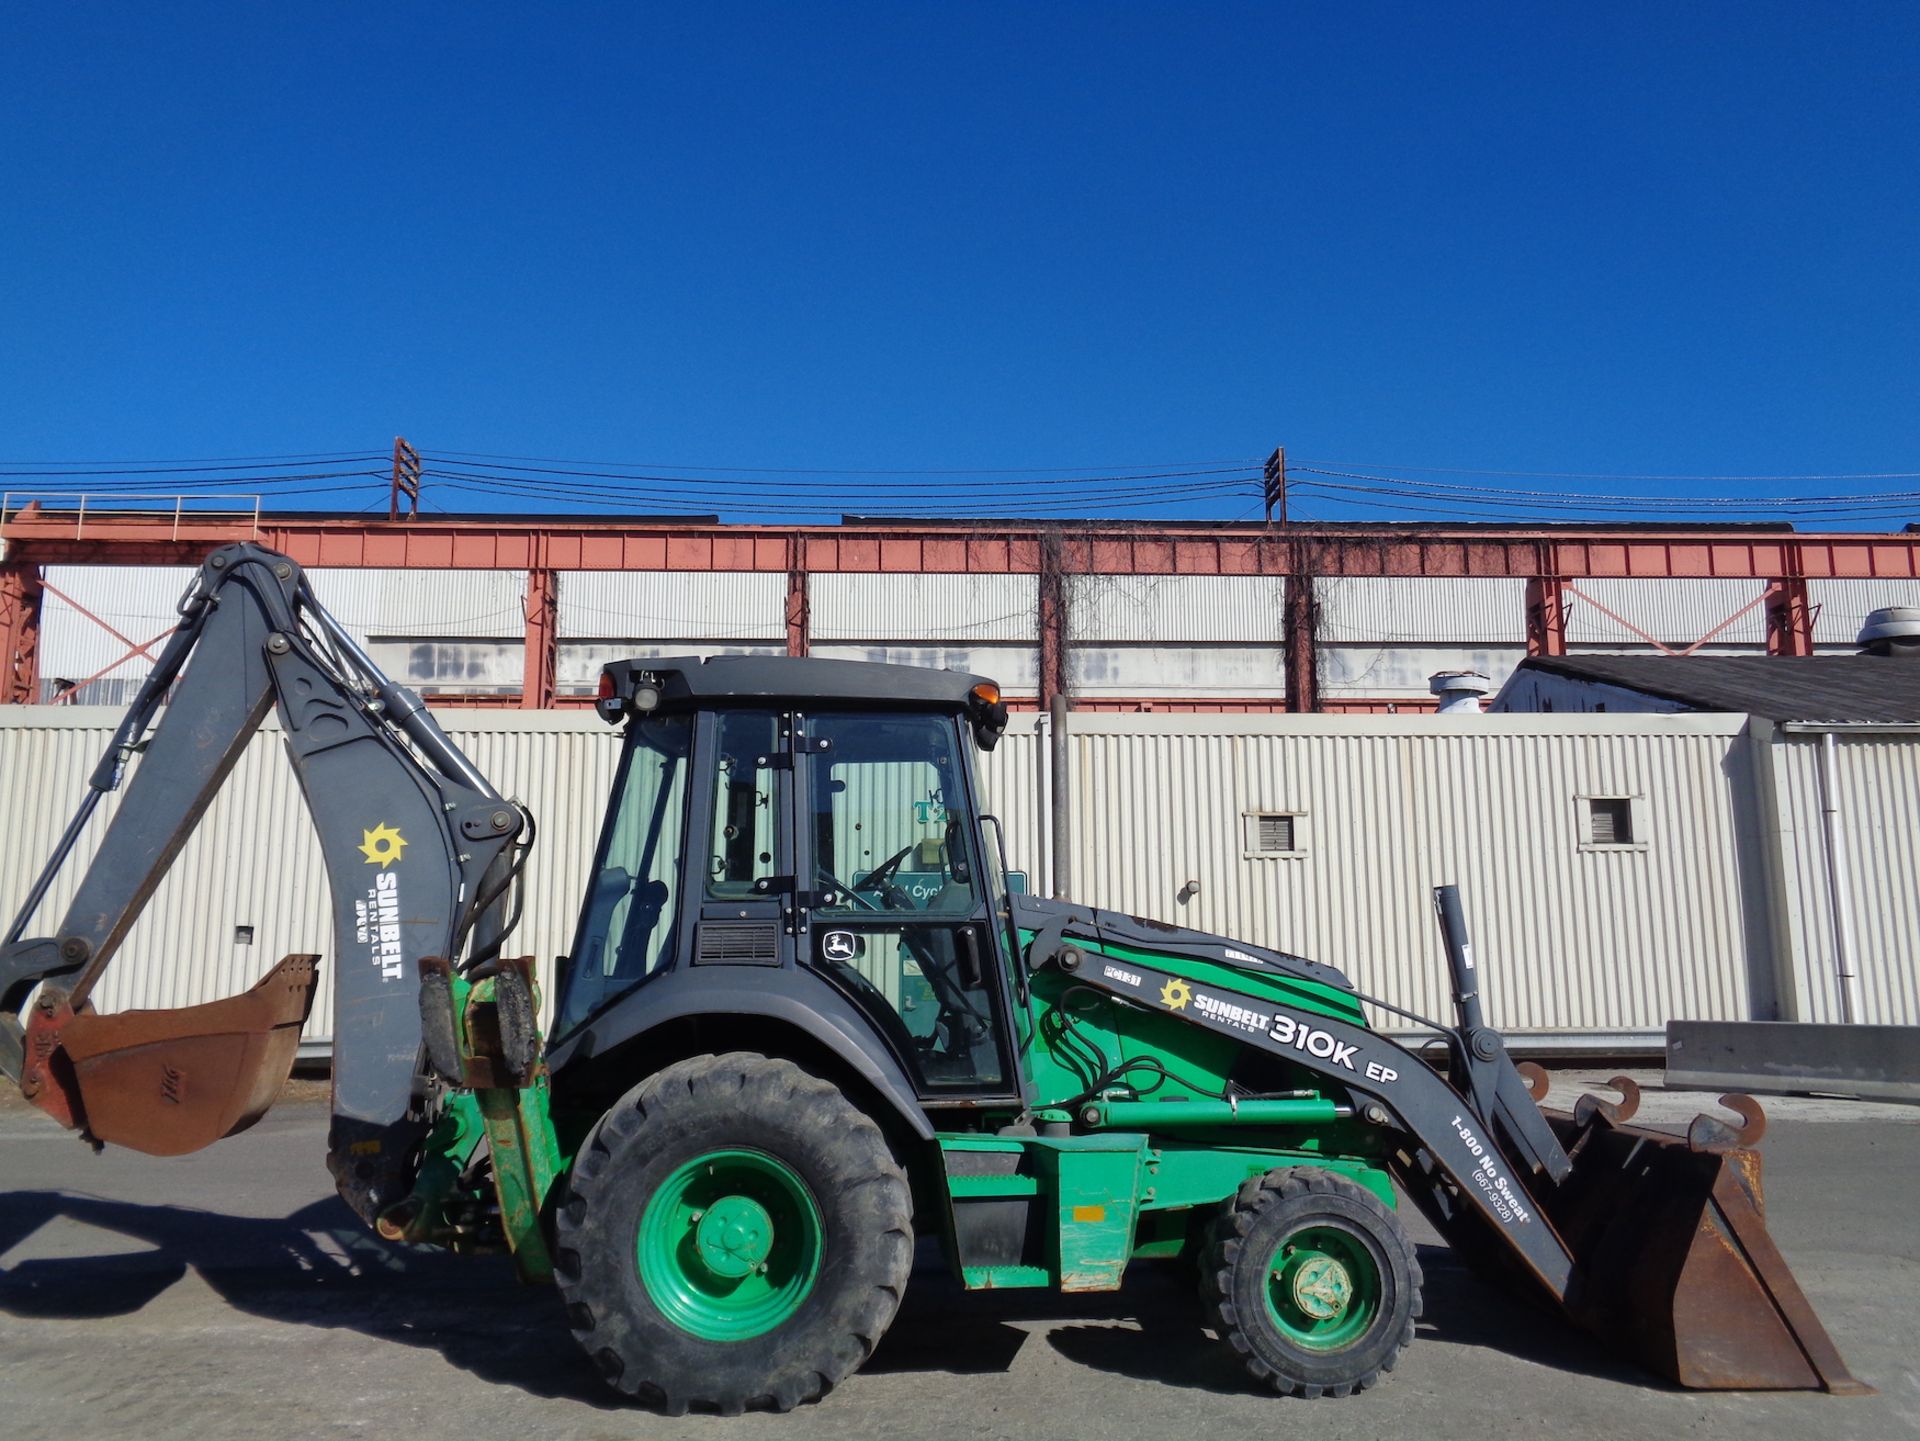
[1672, 1259]
[172, 1081]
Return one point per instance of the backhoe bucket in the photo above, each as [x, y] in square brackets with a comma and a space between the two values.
[169, 1082]
[1672, 1260]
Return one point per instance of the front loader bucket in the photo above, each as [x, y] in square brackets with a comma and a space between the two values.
[169, 1082]
[1672, 1260]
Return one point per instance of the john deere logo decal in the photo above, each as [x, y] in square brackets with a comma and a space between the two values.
[1175, 994]
[381, 845]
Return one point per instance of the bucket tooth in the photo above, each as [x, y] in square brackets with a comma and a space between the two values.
[1617, 1112]
[1710, 1133]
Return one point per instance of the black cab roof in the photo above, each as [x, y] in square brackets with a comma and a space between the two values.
[720, 679]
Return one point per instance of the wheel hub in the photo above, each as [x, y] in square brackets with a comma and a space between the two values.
[730, 1244]
[1322, 1288]
[735, 1236]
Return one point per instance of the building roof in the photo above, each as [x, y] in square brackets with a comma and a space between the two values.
[1835, 689]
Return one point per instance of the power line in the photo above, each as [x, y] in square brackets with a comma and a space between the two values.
[1185, 466]
[63, 469]
[1597, 475]
[1564, 500]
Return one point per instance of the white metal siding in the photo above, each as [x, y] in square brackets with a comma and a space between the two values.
[1358, 609]
[970, 609]
[409, 604]
[137, 601]
[1569, 937]
[1675, 612]
[673, 605]
[1840, 607]
[1163, 608]
[1879, 810]
[254, 860]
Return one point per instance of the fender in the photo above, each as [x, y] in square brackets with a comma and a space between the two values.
[793, 997]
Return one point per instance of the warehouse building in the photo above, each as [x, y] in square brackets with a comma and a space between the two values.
[1675, 858]
[1167, 616]
[1619, 870]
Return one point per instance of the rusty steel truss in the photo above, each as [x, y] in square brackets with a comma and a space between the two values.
[1553, 562]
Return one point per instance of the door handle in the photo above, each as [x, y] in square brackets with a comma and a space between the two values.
[971, 976]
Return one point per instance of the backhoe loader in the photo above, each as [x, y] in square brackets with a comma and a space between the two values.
[806, 1021]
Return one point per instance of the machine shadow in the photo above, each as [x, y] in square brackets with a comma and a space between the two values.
[1170, 1346]
[317, 1267]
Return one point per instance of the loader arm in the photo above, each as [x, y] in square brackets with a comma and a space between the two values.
[1656, 1243]
[416, 844]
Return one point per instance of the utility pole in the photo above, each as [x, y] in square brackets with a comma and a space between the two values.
[406, 480]
[1276, 484]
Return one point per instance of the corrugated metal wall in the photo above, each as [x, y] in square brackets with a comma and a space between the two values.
[1398, 609]
[1134, 636]
[137, 601]
[1878, 798]
[438, 630]
[965, 608]
[1571, 937]
[1674, 612]
[254, 862]
[1840, 607]
[1165, 608]
[672, 605]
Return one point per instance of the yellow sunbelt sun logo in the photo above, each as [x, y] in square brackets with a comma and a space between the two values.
[382, 845]
[1175, 994]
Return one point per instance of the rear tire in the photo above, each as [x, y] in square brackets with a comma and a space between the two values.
[735, 1234]
[1312, 1282]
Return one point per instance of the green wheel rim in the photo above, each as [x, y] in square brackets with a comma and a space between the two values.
[1323, 1288]
[729, 1246]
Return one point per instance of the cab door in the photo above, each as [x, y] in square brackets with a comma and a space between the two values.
[894, 899]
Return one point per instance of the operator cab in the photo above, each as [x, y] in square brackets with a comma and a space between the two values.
[807, 816]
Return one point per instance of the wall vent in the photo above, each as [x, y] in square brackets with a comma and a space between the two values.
[1272, 833]
[1610, 821]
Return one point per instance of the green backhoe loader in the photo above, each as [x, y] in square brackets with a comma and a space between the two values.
[805, 1022]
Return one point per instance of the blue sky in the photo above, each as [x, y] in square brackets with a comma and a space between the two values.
[1620, 240]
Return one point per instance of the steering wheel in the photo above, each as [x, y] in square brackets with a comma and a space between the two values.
[852, 893]
[876, 880]
[881, 874]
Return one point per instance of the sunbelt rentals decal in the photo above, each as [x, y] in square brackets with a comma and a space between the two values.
[376, 919]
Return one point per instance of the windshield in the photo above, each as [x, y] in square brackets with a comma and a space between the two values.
[628, 928]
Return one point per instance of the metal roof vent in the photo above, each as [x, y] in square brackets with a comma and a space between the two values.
[1892, 630]
[1459, 691]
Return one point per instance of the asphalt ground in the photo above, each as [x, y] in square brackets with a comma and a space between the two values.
[231, 1295]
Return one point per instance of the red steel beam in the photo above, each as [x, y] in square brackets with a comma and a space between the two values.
[799, 602]
[1789, 616]
[542, 662]
[1546, 616]
[20, 594]
[49, 538]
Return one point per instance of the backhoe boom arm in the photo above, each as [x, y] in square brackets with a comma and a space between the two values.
[415, 841]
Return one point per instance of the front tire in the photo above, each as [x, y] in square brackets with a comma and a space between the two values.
[735, 1234]
[1312, 1282]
